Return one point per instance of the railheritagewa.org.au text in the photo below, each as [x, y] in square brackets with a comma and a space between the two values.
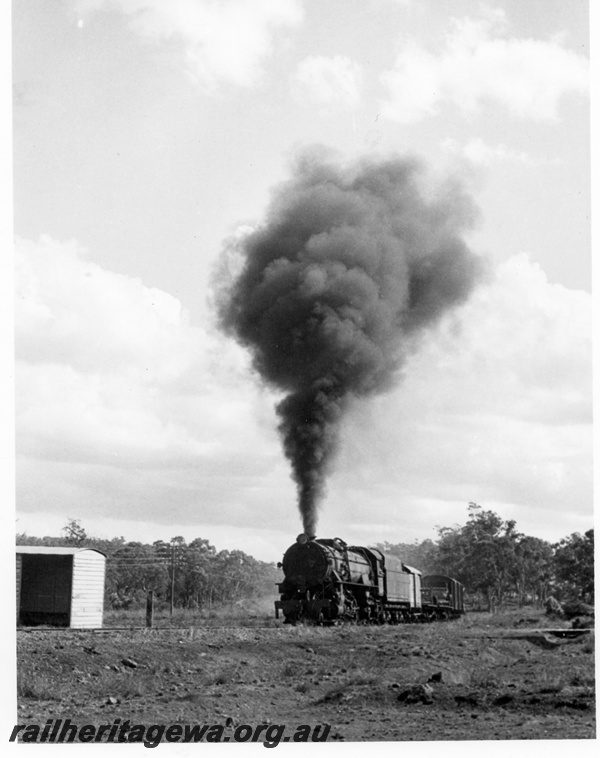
[64, 730]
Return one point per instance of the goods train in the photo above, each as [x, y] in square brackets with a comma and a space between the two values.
[327, 581]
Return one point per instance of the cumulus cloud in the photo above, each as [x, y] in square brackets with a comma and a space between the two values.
[126, 411]
[113, 384]
[497, 408]
[336, 80]
[480, 65]
[225, 40]
[480, 153]
[70, 310]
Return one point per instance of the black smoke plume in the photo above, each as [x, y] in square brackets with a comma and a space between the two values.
[349, 268]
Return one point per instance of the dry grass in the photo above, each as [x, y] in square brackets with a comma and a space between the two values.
[252, 613]
[36, 686]
[344, 674]
[590, 643]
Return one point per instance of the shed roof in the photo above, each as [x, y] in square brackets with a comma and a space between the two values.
[47, 550]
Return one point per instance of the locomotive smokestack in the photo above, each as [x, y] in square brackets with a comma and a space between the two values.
[349, 269]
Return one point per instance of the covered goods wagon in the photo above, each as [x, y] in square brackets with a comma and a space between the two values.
[60, 586]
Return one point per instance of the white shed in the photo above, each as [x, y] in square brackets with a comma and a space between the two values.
[60, 586]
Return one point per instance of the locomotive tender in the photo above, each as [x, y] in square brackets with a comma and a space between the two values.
[327, 581]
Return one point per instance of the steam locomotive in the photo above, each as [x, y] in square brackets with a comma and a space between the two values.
[327, 581]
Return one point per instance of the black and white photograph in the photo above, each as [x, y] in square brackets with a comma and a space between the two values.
[303, 429]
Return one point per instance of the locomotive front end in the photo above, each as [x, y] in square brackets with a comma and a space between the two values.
[305, 563]
[322, 580]
[306, 567]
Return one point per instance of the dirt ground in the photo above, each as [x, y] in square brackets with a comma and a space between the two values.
[480, 678]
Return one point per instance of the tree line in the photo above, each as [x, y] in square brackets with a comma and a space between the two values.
[190, 575]
[498, 564]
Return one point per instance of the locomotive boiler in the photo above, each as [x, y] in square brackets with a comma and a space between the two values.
[327, 581]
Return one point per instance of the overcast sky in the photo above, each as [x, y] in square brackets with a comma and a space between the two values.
[148, 133]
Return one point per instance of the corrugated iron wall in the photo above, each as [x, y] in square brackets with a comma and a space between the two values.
[87, 597]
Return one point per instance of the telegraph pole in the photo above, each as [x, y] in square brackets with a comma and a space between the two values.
[172, 576]
[149, 609]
